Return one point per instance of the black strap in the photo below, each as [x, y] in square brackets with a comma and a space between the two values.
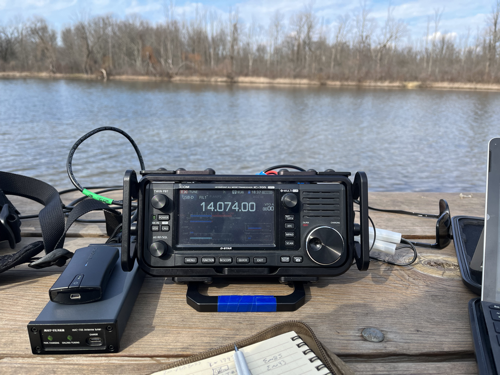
[51, 220]
[51, 216]
[22, 256]
[10, 223]
[82, 208]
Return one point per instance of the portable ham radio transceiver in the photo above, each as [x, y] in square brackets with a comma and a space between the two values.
[202, 225]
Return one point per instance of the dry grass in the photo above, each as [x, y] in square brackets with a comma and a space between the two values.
[261, 81]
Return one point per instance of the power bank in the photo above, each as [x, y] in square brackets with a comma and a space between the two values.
[86, 276]
[92, 327]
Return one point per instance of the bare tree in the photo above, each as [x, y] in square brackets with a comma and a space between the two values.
[90, 32]
[351, 48]
[438, 13]
[341, 31]
[233, 39]
[365, 27]
[277, 28]
[392, 31]
[493, 36]
[45, 40]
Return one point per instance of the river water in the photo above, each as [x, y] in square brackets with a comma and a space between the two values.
[405, 140]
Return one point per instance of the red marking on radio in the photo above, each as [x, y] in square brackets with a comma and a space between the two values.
[305, 225]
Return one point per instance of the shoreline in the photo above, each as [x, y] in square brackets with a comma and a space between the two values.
[262, 81]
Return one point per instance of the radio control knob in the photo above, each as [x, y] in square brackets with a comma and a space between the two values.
[159, 201]
[289, 200]
[324, 245]
[157, 249]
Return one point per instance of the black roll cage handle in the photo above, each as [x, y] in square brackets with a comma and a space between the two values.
[130, 192]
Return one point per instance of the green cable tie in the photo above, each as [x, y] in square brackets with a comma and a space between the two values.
[97, 197]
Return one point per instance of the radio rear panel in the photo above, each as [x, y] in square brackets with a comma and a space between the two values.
[249, 226]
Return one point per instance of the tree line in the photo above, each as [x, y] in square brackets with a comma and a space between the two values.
[353, 48]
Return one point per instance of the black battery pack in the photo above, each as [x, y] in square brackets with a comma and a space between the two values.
[85, 278]
[95, 327]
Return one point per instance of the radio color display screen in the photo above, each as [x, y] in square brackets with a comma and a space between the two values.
[226, 218]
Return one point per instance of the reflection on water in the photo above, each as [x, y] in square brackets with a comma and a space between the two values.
[420, 140]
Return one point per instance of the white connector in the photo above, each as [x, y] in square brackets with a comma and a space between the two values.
[385, 247]
[386, 240]
[385, 235]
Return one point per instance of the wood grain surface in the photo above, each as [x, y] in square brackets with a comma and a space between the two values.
[471, 204]
[421, 309]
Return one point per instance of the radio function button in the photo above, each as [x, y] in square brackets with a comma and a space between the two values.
[289, 234]
[297, 259]
[225, 260]
[159, 201]
[289, 243]
[289, 200]
[260, 260]
[243, 260]
[190, 260]
[165, 228]
[285, 259]
[208, 260]
[155, 228]
[289, 217]
[495, 315]
[157, 249]
[164, 217]
[497, 327]
[289, 225]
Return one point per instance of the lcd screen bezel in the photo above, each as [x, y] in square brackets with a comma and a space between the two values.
[231, 246]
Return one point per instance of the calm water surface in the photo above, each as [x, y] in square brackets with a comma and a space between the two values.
[405, 140]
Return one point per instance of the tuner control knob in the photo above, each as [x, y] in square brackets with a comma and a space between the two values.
[289, 200]
[159, 201]
[324, 245]
[157, 249]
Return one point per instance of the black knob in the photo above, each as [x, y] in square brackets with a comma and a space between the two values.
[324, 245]
[157, 249]
[159, 201]
[289, 200]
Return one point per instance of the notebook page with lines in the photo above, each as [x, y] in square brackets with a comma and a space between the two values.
[283, 354]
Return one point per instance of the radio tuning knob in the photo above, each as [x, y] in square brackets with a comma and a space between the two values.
[157, 249]
[289, 200]
[159, 201]
[324, 245]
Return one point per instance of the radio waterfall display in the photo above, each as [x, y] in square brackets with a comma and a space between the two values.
[226, 217]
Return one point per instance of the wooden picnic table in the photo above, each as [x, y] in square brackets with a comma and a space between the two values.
[421, 309]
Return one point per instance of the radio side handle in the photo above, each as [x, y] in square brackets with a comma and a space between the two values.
[362, 250]
[130, 190]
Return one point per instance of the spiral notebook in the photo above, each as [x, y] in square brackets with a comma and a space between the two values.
[283, 354]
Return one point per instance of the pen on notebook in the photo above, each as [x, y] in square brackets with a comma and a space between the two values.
[241, 363]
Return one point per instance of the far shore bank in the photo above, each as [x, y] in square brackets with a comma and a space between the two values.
[262, 81]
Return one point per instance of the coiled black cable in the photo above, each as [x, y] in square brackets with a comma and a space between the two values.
[69, 162]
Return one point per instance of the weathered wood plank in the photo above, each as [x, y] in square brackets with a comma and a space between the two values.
[455, 368]
[422, 309]
[133, 365]
[460, 204]
[412, 306]
[471, 204]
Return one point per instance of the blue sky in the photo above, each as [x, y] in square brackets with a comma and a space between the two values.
[458, 15]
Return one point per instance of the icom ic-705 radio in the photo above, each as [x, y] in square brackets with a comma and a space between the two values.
[200, 224]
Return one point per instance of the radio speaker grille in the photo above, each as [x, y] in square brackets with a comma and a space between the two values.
[321, 204]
